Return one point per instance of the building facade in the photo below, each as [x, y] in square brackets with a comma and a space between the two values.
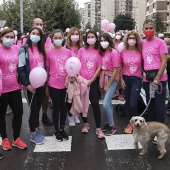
[161, 7]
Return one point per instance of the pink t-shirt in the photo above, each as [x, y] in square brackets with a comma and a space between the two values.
[74, 51]
[56, 60]
[110, 60]
[116, 45]
[90, 61]
[35, 58]
[131, 63]
[9, 66]
[152, 51]
[19, 43]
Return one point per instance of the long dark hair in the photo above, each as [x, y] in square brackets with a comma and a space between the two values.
[96, 43]
[40, 44]
[108, 38]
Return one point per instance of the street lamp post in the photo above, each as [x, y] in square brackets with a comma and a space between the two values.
[21, 16]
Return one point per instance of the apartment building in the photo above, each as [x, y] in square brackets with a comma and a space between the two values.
[87, 14]
[138, 13]
[108, 10]
[161, 7]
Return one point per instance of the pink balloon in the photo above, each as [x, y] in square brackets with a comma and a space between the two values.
[104, 22]
[120, 47]
[73, 66]
[37, 77]
[106, 27]
[112, 26]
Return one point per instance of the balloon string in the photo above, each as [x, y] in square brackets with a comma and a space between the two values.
[30, 103]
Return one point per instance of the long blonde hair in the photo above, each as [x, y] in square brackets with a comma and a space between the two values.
[138, 41]
[69, 42]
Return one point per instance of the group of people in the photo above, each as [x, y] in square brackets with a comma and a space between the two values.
[102, 66]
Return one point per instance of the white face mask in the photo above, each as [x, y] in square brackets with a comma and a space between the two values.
[118, 37]
[58, 42]
[104, 44]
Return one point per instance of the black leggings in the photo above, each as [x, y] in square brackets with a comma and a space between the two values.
[35, 107]
[94, 99]
[14, 100]
[59, 101]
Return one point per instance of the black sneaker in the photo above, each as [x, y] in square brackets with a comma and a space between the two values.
[64, 135]
[106, 127]
[46, 120]
[111, 131]
[1, 155]
[58, 136]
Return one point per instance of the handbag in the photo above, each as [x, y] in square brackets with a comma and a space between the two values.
[151, 74]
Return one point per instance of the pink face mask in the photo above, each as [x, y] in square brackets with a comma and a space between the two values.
[91, 41]
[74, 38]
[131, 42]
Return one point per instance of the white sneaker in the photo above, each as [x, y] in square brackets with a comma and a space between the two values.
[71, 121]
[155, 140]
[9, 111]
[76, 119]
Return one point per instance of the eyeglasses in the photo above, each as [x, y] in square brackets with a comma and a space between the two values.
[130, 38]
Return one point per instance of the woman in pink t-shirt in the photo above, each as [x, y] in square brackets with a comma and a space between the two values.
[90, 69]
[109, 78]
[32, 55]
[131, 81]
[56, 59]
[117, 39]
[11, 93]
[74, 43]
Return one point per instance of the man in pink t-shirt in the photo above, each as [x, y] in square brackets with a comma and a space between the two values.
[154, 53]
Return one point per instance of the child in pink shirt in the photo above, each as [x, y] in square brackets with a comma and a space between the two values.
[109, 78]
[32, 55]
[74, 43]
[90, 69]
[56, 59]
[10, 89]
[131, 66]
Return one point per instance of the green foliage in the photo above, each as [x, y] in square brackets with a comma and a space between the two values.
[123, 22]
[88, 26]
[160, 27]
[60, 14]
[96, 28]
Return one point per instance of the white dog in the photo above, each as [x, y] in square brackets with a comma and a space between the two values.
[142, 132]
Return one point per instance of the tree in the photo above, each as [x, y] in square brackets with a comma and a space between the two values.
[124, 21]
[96, 28]
[55, 14]
[88, 26]
[160, 27]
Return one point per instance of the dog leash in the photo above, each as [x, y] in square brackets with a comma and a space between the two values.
[152, 93]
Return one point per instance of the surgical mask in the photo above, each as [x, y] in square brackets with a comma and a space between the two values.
[74, 38]
[35, 38]
[104, 44]
[149, 34]
[58, 42]
[118, 37]
[131, 42]
[8, 42]
[91, 41]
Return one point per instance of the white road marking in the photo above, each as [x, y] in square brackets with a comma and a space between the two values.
[100, 102]
[51, 145]
[120, 142]
[0, 141]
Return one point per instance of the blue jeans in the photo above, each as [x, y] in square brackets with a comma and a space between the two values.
[131, 93]
[107, 103]
[157, 105]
